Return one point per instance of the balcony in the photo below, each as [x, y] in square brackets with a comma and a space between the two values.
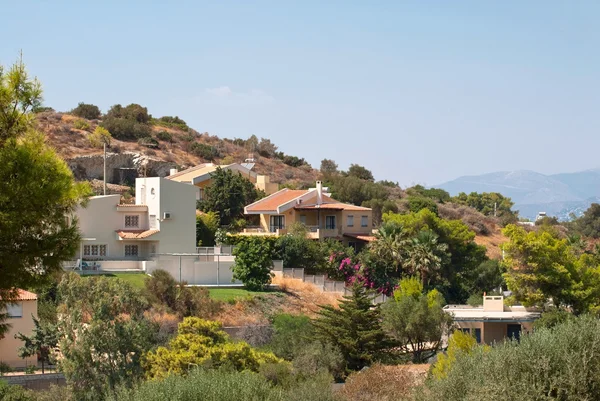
[316, 232]
[260, 231]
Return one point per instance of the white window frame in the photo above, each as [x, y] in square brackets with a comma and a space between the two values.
[350, 220]
[88, 250]
[152, 221]
[364, 221]
[137, 252]
[14, 310]
[131, 226]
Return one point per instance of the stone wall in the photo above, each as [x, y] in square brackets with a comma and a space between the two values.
[91, 167]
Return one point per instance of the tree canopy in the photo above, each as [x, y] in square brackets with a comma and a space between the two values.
[37, 191]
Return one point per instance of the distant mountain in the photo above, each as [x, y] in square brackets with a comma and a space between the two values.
[557, 195]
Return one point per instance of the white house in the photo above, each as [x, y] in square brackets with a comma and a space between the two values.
[163, 220]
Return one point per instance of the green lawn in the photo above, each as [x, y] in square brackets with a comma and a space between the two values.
[229, 294]
[135, 279]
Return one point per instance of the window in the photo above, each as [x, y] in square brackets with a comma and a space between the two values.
[152, 221]
[277, 223]
[132, 221]
[352, 245]
[94, 250]
[477, 335]
[131, 250]
[200, 194]
[465, 330]
[350, 221]
[15, 310]
[330, 222]
[364, 221]
[303, 219]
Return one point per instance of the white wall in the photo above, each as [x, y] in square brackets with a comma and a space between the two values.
[195, 272]
[99, 220]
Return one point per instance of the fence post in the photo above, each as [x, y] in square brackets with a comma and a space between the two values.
[218, 266]
[179, 269]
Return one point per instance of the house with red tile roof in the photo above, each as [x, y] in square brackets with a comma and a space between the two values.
[162, 220]
[323, 216]
[20, 313]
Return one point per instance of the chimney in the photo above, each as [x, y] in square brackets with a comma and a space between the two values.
[319, 192]
[172, 171]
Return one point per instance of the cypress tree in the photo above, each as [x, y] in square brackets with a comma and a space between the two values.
[355, 328]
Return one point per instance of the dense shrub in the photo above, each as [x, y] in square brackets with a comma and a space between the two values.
[99, 137]
[204, 151]
[380, 383]
[206, 228]
[291, 333]
[418, 203]
[319, 357]
[82, 125]
[164, 136]
[559, 364]
[15, 393]
[168, 121]
[225, 385]
[127, 123]
[253, 263]
[298, 251]
[293, 161]
[89, 111]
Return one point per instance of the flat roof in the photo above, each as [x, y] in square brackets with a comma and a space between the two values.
[479, 315]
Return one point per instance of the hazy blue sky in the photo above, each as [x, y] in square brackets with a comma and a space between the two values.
[417, 91]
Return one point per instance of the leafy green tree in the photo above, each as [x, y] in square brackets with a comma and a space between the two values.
[103, 334]
[438, 195]
[99, 137]
[540, 267]
[253, 262]
[228, 194]
[389, 245]
[424, 256]
[207, 225]
[328, 167]
[202, 343]
[589, 224]
[354, 190]
[417, 203]
[37, 191]
[416, 321]
[297, 250]
[489, 203]
[457, 273]
[361, 172]
[354, 328]
[88, 111]
[40, 343]
[266, 148]
[460, 343]
[379, 207]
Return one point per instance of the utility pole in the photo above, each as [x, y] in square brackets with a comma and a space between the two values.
[104, 184]
[495, 204]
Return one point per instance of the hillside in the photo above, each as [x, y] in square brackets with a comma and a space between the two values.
[74, 146]
[558, 194]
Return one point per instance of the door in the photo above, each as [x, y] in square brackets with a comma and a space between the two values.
[477, 335]
[513, 331]
[277, 223]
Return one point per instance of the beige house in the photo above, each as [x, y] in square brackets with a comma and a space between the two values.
[162, 220]
[20, 319]
[494, 321]
[200, 176]
[322, 215]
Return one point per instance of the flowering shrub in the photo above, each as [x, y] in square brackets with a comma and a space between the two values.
[371, 277]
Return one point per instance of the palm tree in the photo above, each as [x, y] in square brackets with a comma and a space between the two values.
[389, 244]
[424, 256]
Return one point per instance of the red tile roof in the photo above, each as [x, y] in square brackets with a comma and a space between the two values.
[331, 204]
[23, 295]
[136, 234]
[272, 202]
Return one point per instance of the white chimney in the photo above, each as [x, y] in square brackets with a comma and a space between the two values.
[319, 192]
[173, 171]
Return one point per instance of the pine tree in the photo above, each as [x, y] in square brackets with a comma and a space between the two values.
[43, 338]
[355, 328]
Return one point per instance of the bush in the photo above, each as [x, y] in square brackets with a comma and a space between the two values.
[99, 137]
[291, 333]
[165, 136]
[293, 161]
[4, 368]
[128, 123]
[253, 263]
[88, 111]
[161, 288]
[148, 142]
[319, 357]
[204, 151]
[172, 122]
[559, 363]
[381, 383]
[207, 225]
[417, 203]
[15, 393]
[82, 125]
[475, 300]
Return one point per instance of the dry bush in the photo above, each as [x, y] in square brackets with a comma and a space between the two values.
[383, 383]
[167, 324]
[305, 297]
[480, 224]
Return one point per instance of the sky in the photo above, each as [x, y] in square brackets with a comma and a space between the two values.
[416, 91]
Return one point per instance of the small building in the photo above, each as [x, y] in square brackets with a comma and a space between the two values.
[323, 216]
[162, 220]
[200, 176]
[494, 321]
[20, 320]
